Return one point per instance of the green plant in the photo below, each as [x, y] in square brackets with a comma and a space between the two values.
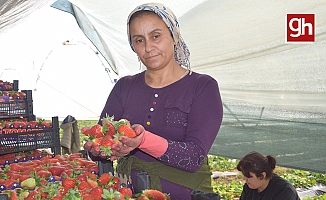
[304, 179]
[219, 163]
[229, 190]
[323, 197]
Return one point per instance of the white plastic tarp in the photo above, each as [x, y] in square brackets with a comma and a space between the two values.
[240, 43]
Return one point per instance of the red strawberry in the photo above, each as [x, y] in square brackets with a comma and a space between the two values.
[13, 175]
[56, 170]
[13, 195]
[43, 174]
[28, 171]
[57, 197]
[89, 163]
[8, 183]
[57, 178]
[43, 181]
[96, 193]
[124, 121]
[88, 145]
[114, 183]
[126, 130]
[125, 191]
[87, 197]
[45, 124]
[92, 183]
[97, 141]
[96, 150]
[23, 177]
[93, 169]
[16, 167]
[104, 179]
[95, 130]
[106, 144]
[68, 183]
[152, 194]
[68, 172]
[84, 185]
[84, 130]
[34, 195]
[81, 177]
[90, 175]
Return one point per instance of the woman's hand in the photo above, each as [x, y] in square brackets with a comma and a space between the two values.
[128, 144]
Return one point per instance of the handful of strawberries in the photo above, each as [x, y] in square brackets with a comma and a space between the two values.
[100, 138]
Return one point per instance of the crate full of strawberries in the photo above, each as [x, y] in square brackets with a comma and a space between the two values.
[9, 86]
[16, 104]
[17, 136]
[66, 177]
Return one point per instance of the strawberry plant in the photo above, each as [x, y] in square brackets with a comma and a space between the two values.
[219, 163]
[323, 197]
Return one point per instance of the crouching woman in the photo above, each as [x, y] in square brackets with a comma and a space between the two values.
[261, 182]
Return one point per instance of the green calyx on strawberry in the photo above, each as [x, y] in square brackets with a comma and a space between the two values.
[51, 189]
[106, 144]
[111, 194]
[108, 127]
[73, 194]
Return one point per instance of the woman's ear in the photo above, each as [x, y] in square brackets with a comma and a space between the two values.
[263, 175]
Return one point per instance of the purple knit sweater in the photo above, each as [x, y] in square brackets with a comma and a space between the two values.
[188, 113]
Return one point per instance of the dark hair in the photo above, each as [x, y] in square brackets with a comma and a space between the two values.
[256, 163]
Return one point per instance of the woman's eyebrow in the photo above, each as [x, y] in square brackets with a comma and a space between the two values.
[155, 30]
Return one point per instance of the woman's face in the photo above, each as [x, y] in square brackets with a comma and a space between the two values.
[152, 41]
[253, 181]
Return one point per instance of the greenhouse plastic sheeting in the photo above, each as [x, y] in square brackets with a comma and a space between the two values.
[296, 139]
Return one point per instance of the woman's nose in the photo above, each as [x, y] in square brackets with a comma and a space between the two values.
[148, 46]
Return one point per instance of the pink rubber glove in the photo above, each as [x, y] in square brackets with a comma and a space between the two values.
[146, 141]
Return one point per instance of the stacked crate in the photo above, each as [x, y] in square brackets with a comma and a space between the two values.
[17, 138]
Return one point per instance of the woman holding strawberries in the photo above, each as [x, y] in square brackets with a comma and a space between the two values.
[175, 112]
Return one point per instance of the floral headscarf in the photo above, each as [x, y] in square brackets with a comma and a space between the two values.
[181, 51]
